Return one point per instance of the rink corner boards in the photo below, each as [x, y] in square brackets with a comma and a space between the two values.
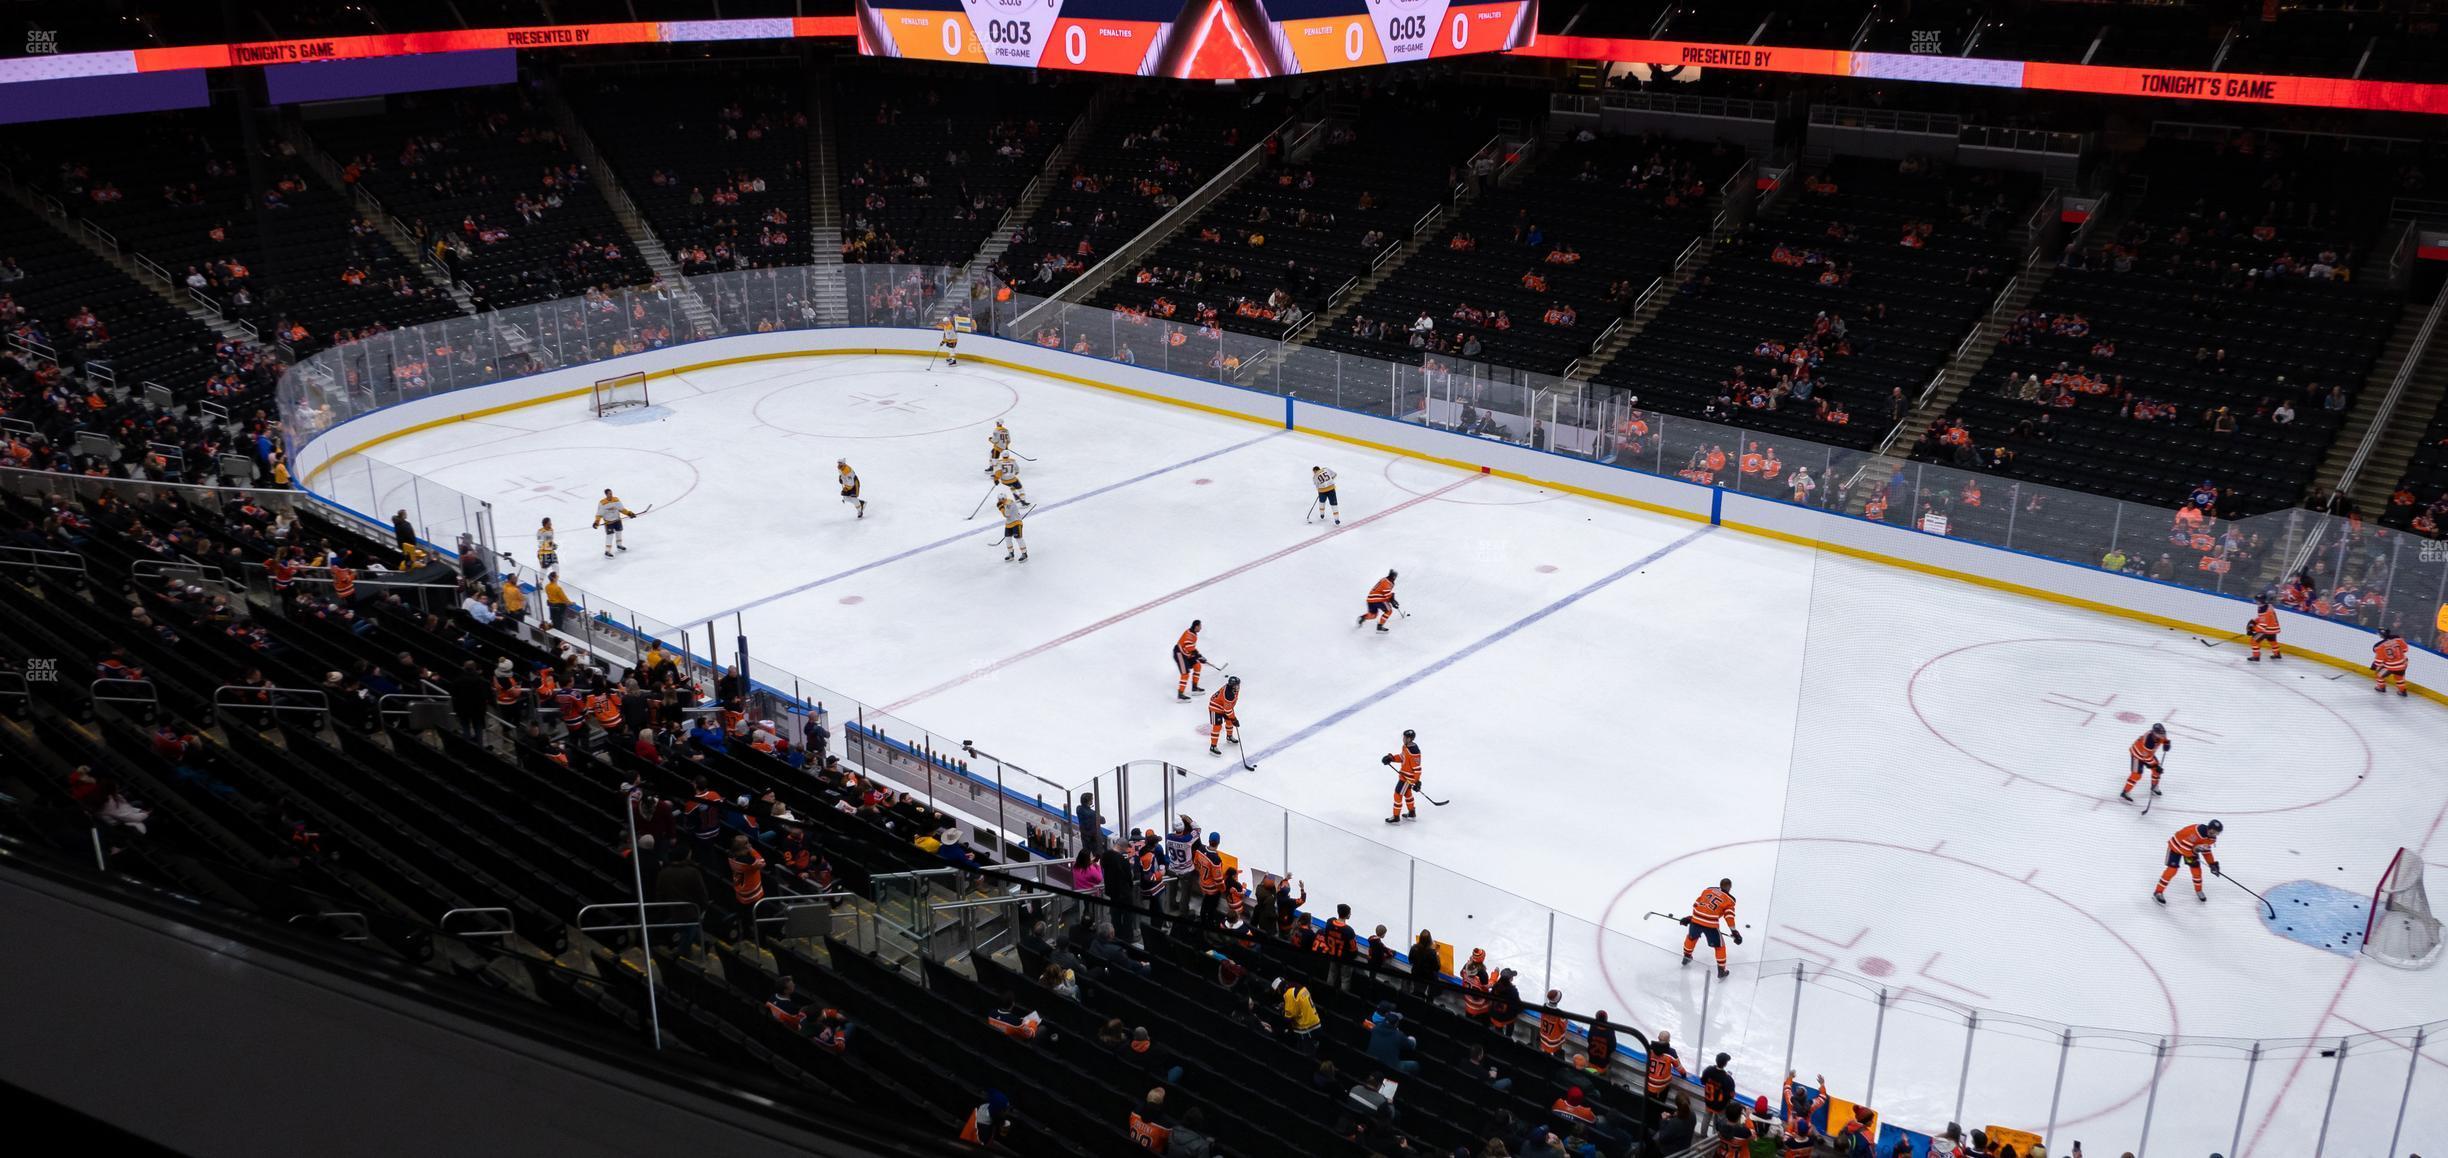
[1714, 515]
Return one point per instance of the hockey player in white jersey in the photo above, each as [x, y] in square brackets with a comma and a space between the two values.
[608, 514]
[850, 485]
[998, 443]
[1007, 473]
[1014, 540]
[1327, 501]
[548, 549]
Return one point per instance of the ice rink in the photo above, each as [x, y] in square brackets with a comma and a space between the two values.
[1911, 780]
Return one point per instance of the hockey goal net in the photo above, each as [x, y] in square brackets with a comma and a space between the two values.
[619, 393]
[2400, 929]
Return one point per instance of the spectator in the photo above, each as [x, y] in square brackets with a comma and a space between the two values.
[1110, 951]
[1387, 1044]
[679, 881]
[989, 1123]
[1149, 1128]
[1190, 1138]
[1425, 966]
[1483, 1068]
[1299, 1012]
[1675, 1128]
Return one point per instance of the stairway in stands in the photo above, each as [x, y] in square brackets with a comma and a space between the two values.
[642, 237]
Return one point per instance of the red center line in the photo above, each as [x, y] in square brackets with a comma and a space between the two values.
[1169, 597]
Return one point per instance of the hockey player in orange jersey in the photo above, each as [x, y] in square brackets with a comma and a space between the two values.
[1713, 908]
[2191, 846]
[1406, 766]
[1223, 716]
[2145, 755]
[2388, 662]
[1381, 603]
[2263, 628]
[1188, 661]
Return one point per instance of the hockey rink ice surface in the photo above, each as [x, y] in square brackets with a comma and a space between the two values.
[1910, 780]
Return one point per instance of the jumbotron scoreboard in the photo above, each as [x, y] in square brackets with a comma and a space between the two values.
[1192, 39]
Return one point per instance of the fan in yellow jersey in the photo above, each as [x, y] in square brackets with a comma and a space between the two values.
[608, 515]
[1013, 509]
[998, 444]
[1007, 473]
[850, 485]
[949, 343]
[1326, 500]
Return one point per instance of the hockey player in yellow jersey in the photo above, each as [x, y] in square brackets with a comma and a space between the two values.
[1007, 473]
[548, 549]
[998, 444]
[1013, 540]
[949, 343]
[608, 514]
[850, 485]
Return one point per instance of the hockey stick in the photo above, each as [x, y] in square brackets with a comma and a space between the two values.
[2265, 902]
[1018, 455]
[1668, 916]
[1247, 764]
[1433, 800]
[2149, 793]
[2231, 638]
[990, 490]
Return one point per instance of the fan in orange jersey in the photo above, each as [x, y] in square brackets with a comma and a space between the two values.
[2388, 662]
[1406, 766]
[2191, 846]
[1381, 603]
[1713, 908]
[1188, 661]
[2145, 755]
[2262, 629]
[1223, 718]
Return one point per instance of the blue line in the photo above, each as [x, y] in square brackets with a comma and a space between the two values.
[1287, 412]
[1716, 506]
[1498, 636]
[971, 534]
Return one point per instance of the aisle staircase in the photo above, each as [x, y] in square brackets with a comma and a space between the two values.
[2403, 419]
[292, 129]
[824, 206]
[1050, 177]
[642, 237]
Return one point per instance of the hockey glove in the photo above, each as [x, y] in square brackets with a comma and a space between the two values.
[1387, 759]
[2216, 871]
[1736, 934]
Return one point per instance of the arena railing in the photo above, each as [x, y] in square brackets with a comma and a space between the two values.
[1924, 1059]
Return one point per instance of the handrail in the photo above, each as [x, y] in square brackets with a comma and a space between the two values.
[150, 696]
[98, 233]
[221, 700]
[41, 559]
[152, 267]
[501, 911]
[140, 570]
[638, 909]
[2379, 424]
[1163, 227]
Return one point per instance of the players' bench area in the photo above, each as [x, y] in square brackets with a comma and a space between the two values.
[1816, 320]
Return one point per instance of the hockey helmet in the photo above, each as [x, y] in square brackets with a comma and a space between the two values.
[2214, 827]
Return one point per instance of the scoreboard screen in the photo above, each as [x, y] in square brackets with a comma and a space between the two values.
[1192, 39]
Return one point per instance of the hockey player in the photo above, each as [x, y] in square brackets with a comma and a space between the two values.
[1188, 661]
[850, 485]
[1712, 908]
[2388, 662]
[608, 514]
[949, 343]
[1223, 716]
[2263, 628]
[1013, 538]
[1406, 766]
[1381, 604]
[998, 442]
[2191, 846]
[2145, 754]
[1007, 473]
[1327, 502]
[548, 550]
